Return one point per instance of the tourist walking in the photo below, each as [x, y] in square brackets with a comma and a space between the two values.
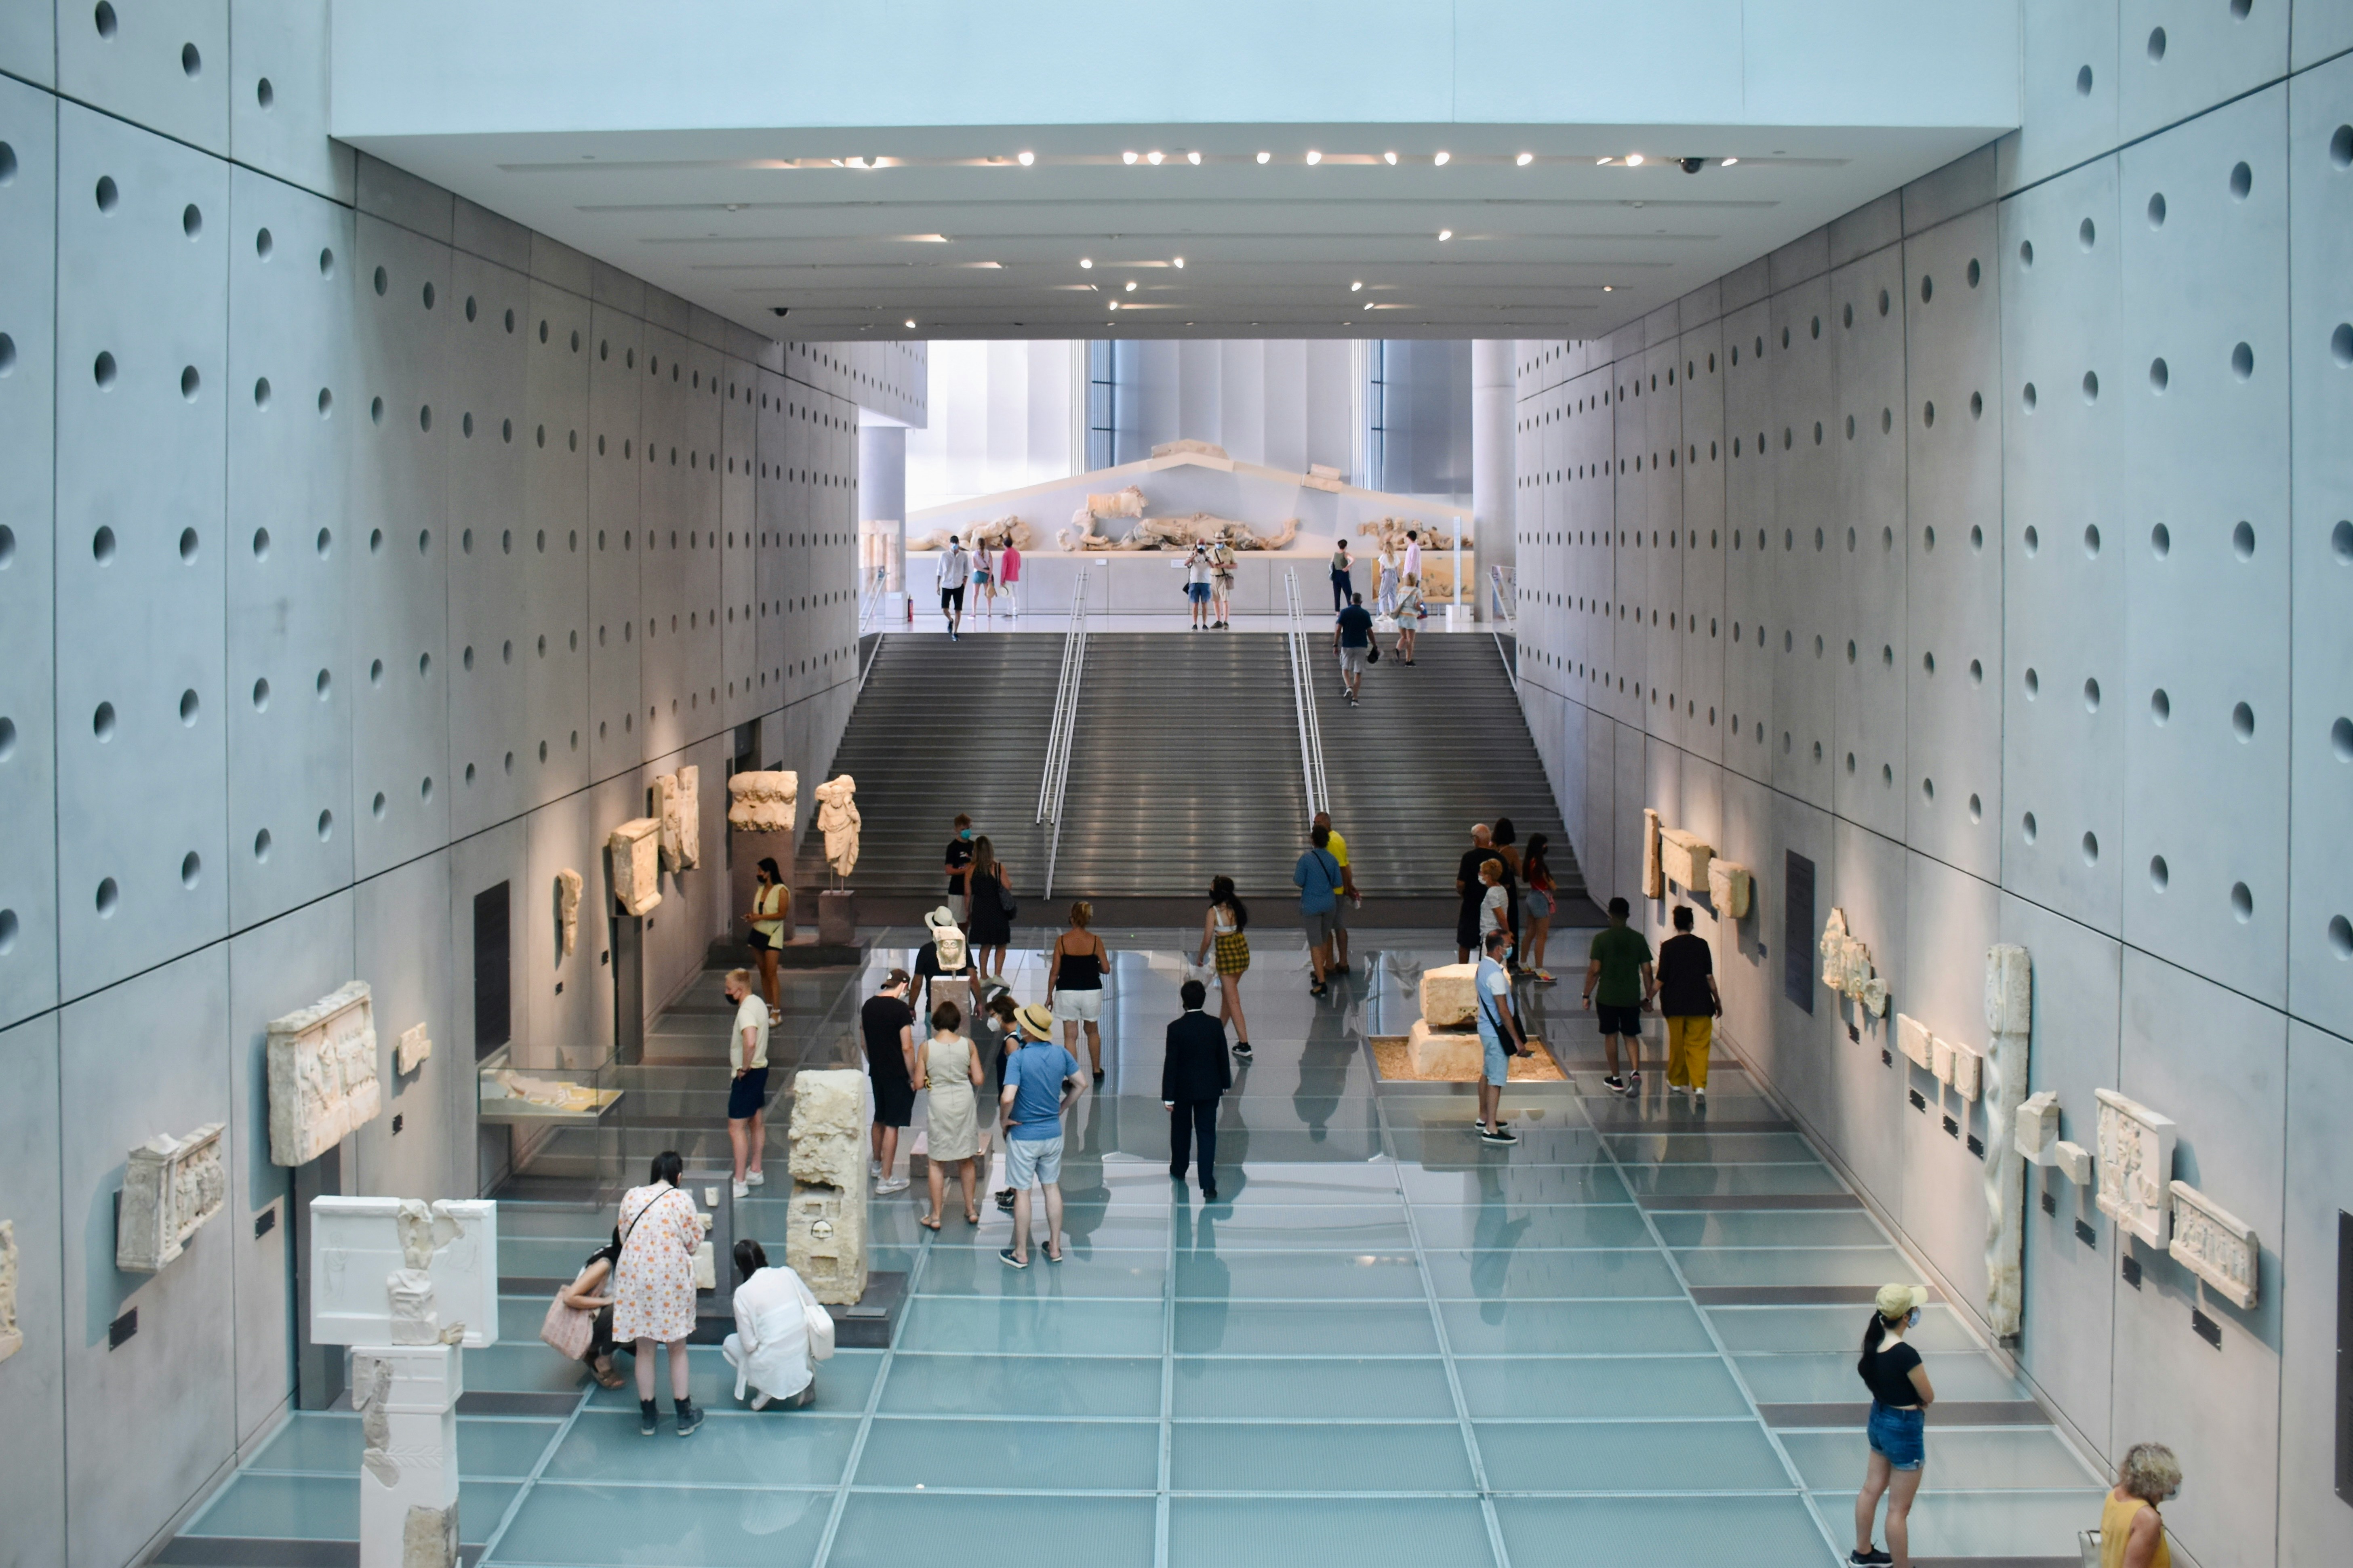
[995, 1032]
[1074, 979]
[2132, 1530]
[984, 573]
[1041, 1078]
[1221, 585]
[949, 1067]
[1317, 877]
[747, 1091]
[1009, 568]
[991, 920]
[1349, 894]
[771, 905]
[1221, 933]
[1197, 573]
[1900, 1398]
[771, 1349]
[957, 864]
[1413, 562]
[1472, 890]
[587, 1294]
[1535, 869]
[1352, 639]
[1500, 1035]
[955, 570]
[1619, 985]
[888, 1026]
[1342, 566]
[1193, 1073]
[653, 1286]
[1408, 617]
[1385, 595]
[1030, 1026]
[1691, 1005]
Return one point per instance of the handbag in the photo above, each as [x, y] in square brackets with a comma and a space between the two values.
[1373, 653]
[568, 1330]
[1005, 900]
[820, 1330]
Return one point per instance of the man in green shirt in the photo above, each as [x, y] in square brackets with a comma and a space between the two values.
[1618, 983]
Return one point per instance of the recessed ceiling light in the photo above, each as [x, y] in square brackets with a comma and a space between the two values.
[1127, 157]
[1729, 161]
[1114, 304]
[1085, 261]
[1152, 158]
[1525, 159]
[1358, 284]
[1441, 160]
[1192, 157]
[1634, 160]
[1368, 304]
[1389, 157]
[1607, 287]
[1263, 157]
[1130, 285]
[1598, 160]
[1314, 156]
[1179, 263]
[1446, 234]
[1028, 159]
[911, 323]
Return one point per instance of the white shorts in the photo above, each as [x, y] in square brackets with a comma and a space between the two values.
[1078, 1006]
[1033, 1161]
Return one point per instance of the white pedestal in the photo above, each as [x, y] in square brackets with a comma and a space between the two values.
[407, 1399]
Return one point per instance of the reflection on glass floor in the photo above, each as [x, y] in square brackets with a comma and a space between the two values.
[1628, 1339]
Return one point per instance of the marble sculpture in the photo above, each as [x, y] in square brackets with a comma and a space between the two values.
[1968, 1069]
[838, 819]
[1847, 969]
[12, 1338]
[1176, 533]
[1684, 859]
[825, 1228]
[322, 1075]
[2135, 1165]
[636, 847]
[567, 912]
[2009, 1018]
[677, 798]
[406, 1397]
[2215, 1245]
[763, 802]
[997, 535]
[1190, 446]
[2074, 1161]
[1654, 869]
[1729, 888]
[414, 1050]
[169, 1187]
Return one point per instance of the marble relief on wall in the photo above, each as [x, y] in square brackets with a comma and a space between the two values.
[2214, 1244]
[636, 847]
[322, 1075]
[12, 1339]
[170, 1187]
[2135, 1162]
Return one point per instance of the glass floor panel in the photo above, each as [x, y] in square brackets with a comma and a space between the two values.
[1386, 1343]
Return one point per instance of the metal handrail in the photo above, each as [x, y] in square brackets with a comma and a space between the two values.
[1505, 596]
[1065, 729]
[1303, 699]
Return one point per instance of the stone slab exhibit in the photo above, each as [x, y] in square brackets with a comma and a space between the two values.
[635, 849]
[393, 1271]
[838, 819]
[1655, 879]
[413, 1050]
[1847, 969]
[2136, 1162]
[825, 1224]
[169, 1187]
[1913, 1038]
[1443, 1052]
[2215, 1245]
[1447, 994]
[1730, 886]
[567, 912]
[2038, 1127]
[2072, 1160]
[1968, 1069]
[322, 1075]
[1684, 859]
[677, 801]
[2009, 1015]
[12, 1338]
[763, 802]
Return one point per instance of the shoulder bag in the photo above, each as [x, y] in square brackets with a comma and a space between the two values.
[1005, 900]
[569, 1329]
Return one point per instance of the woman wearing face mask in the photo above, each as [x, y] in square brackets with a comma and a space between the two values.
[1900, 1398]
[2132, 1533]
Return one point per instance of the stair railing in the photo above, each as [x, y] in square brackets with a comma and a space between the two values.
[1503, 595]
[1065, 729]
[1302, 660]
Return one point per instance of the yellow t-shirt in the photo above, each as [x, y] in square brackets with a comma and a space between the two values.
[1340, 848]
[2116, 1533]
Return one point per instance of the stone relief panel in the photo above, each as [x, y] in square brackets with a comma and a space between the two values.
[1847, 969]
[825, 1228]
[2135, 1156]
[763, 802]
[1730, 886]
[322, 1075]
[1912, 1038]
[12, 1338]
[413, 1052]
[838, 819]
[636, 848]
[169, 1187]
[2214, 1244]
[567, 911]
[678, 799]
[1655, 879]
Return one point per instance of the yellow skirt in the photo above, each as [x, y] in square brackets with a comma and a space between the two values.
[1233, 953]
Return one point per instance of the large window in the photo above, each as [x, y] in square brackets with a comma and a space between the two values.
[1417, 417]
[1102, 405]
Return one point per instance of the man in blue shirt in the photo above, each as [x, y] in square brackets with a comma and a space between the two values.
[1353, 635]
[1041, 1078]
[1498, 1035]
[1319, 878]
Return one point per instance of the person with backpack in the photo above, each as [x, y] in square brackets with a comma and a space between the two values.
[1318, 878]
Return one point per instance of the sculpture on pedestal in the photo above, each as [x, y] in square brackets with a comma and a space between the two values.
[824, 1236]
[567, 912]
[636, 847]
[1444, 1041]
[763, 802]
[838, 819]
[169, 1187]
[12, 1339]
[322, 1075]
[2010, 1017]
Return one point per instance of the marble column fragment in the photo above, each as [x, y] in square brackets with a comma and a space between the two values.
[2010, 1017]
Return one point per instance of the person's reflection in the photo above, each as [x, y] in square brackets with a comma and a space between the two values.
[1324, 1062]
[1085, 1194]
[1204, 1283]
[1494, 1234]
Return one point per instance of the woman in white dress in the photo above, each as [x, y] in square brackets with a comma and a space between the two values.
[949, 1067]
[770, 1349]
[653, 1284]
[1385, 602]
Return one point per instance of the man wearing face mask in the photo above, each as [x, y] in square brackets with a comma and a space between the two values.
[1499, 1036]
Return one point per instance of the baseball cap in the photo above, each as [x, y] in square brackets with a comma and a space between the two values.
[1895, 1301]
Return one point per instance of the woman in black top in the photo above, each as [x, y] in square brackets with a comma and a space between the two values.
[1899, 1396]
[889, 1026]
[990, 920]
[1074, 981]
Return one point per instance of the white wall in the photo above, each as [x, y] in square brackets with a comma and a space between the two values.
[1000, 415]
[1926, 649]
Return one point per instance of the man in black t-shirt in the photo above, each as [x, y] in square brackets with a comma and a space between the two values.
[959, 868]
[889, 1026]
[1352, 636]
[1691, 1005]
[1470, 890]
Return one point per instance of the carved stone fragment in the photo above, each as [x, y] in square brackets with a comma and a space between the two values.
[2009, 1014]
[1684, 858]
[763, 802]
[2038, 1127]
[838, 819]
[322, 1075]
[1729, 886]
[413, 1050]
[636, 847]
[1443, 1052]
[1940, 1058]
[1847, 970]
[567, 911]
[2073, 1160]
[1448, 997]
[1968, 1069]
[2135, 1155]
[825, 1241]
[829, 1126]
[170, 1187]
[677, 798]
[2215, 1245]
[825, 1234]
[1655, 879]
[12, 1338]
[1912, 1038]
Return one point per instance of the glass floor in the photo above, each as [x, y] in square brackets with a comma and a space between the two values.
[1629, 1339]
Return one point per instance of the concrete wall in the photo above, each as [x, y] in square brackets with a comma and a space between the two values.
[1987, 549]
[359, 550]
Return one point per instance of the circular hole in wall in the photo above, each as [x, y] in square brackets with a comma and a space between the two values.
[1977, 672]
[2242, 540]
[510, 762]
[7, 547]
[2091, 848]
[375, 410]
[2243, 903]
[376, 542]
[2340, 344]
[2242, 180]
[2159, 873]
[542, 751]
[2160, 541]
[1929, 416]
[191, 61]
[2090, 696]
[191, 867]
[1976, 405]
[263, 244]
[2026, 253]
[103, 19]
[425, 790]
[327, 263]
[2243, 361]
[2026, 826]
[261, 844]
[2091, 539]
[2160, 707]
[1850, 761]
[2243, 721]
[102, 370]
[466, 425]
[190, 382]
[1928, 664]
[1887, 776]
[2031, 539]
[325, 685]
[101, 545]
[189, 707]
[109, 895]
[106, 192]
[382, 280]
[1976, 536]
[2084, 81]
[465, 658]
[375, 806]
[2087, 234]
[424, 666]
[101, 723]
[261, 544]
[1977, 809]
[2029, 397]
[2091, 386]
[2157, 208]
[326, 401]
[2034, 683]
[375, 672]
[425, 417]
[1928, 789]
[2340, 147]
[2157, 44]
[2341, 738]
[470, 773]
[7, 931]
[424, 541]
[1928, 538]
[2340, 933]
[264, 94]
[262, 393]
[429, 296]
[191, 220]
[261, 695]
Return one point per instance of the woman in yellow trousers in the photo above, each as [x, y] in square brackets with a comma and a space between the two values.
[1689, 1001]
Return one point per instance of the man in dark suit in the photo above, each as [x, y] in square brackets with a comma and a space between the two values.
[1194, 1073]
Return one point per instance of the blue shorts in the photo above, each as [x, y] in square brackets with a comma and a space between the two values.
[1898, 1434]
[1497, 1066]
[1198, 592]
[1033, 1161]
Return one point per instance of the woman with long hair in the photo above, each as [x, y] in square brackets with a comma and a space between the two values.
[1222, 931]
[1075, 978]
[1408, 617]
[1900, 1398]
[950, 1067]
[772, 903]
[1535, 868]
[991, 921]
[653, 1283]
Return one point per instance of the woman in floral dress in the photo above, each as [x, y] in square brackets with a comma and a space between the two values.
[653, 1284]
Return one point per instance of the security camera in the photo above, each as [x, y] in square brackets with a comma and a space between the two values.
[1692, 165]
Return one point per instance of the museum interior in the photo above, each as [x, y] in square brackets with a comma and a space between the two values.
[1221, 541]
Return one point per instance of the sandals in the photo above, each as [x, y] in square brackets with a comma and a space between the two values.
[608, 1379]
[928, 1224]
[971, 1216]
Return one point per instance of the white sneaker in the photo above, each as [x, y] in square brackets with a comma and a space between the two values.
[895, 1184]
[757, 1179]
[874, 1168]
[742, 1190]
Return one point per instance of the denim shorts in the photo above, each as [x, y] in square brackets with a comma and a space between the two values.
[1899, 1435]
[1032, 1162]
[1495, 1067]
